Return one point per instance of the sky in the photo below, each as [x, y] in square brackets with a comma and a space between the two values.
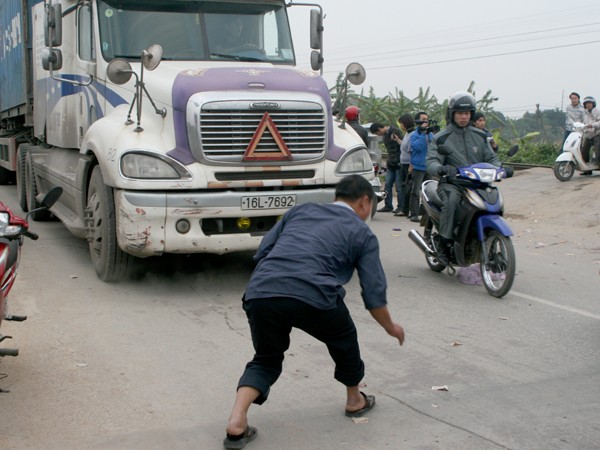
[526, 52]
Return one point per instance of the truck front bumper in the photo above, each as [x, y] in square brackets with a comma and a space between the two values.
[152, 223]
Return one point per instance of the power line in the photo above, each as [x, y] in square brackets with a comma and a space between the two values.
[482, 45]
[470, 41]
[481, 56]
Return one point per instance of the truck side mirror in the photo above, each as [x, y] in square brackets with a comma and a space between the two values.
[316, 60]
[316, 30]
[53, 22]
[52, 56]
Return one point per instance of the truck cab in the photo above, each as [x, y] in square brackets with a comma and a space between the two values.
[178, 126]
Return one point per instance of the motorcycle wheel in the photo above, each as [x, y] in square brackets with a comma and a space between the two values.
[564, 170]
[428, 234]
[499, 274]
[110, 262]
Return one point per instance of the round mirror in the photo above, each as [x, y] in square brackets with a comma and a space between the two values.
[152, 56]
[119, 71]
[355, 73]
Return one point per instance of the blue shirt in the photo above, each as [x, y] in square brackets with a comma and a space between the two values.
[312, 252]
[418, 144]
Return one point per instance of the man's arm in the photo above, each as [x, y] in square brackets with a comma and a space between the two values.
[383, 318]
[434, 160]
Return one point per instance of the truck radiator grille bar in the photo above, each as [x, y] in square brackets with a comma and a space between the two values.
[249, 176]
[226, 134]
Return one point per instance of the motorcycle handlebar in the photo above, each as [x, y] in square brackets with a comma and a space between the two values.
[509, 171]
[30, 234]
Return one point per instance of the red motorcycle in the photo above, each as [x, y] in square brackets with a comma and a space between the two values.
[13, 230]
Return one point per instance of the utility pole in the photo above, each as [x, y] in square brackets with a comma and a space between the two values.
[541, 119]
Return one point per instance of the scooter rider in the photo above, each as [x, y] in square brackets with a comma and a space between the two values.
[591, 134]
[467, 145]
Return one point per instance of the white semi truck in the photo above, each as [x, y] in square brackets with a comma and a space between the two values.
[173, 126]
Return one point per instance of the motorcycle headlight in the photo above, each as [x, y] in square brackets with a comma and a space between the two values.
[148, 166]
[355, 161]
[6, 229]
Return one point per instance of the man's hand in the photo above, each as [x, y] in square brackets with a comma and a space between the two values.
[398, 332]
[382, 316]
[447, 170]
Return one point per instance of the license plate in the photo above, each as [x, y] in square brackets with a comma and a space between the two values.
[269, 201]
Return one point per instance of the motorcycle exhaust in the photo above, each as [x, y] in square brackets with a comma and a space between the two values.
[420, 241]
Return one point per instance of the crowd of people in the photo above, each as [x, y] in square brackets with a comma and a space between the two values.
[407, 147]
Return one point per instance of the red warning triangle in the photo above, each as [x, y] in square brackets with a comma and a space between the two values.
[283, 154]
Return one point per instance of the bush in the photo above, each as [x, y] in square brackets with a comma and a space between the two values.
[543, 153]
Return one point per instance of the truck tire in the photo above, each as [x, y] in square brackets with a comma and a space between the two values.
[21, 177]
[31, 193]
[110, 262]
[6, 176]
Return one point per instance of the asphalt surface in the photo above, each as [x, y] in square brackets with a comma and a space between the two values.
[153, 363]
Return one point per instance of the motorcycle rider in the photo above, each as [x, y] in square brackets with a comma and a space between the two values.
[574, 114]
[591, 134]
[467, 145]
[352, 118]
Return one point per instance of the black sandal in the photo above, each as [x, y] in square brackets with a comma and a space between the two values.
[235, 442]
[369, 404]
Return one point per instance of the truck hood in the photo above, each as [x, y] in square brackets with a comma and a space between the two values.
[187, 82]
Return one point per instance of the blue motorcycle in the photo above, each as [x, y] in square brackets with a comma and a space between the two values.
[481, 236]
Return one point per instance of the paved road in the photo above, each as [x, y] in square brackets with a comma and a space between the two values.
[152, 363]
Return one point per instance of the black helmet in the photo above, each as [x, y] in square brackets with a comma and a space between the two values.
[589, 99]
[461, 101]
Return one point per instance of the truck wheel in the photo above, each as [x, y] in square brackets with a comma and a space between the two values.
[21, 176]
[110, 262]
[31, 193]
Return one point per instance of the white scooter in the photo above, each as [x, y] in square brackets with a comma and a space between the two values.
[570, 159]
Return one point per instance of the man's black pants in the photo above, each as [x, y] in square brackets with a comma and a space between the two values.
[271, 321]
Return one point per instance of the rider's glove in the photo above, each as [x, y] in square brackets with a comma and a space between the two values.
[447, 170]
[509, 171]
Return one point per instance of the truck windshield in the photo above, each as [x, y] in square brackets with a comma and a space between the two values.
[196, 30]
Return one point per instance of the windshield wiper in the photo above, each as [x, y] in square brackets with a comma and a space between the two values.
[237, 57]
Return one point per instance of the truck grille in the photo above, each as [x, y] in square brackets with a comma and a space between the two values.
[226, 133]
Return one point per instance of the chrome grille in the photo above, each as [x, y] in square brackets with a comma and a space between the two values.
[225, 134]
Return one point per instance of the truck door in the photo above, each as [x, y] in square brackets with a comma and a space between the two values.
[88, 105]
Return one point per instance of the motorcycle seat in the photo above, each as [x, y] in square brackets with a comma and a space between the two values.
[430, 190]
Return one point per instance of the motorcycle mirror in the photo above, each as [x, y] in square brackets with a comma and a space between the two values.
[52, 196]
[444, 150]
[513, 150]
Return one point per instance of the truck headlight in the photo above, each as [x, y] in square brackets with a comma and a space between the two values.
[147, 166]
[355, 161]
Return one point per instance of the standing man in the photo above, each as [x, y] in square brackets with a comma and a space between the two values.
[407, 125]
[574, 114]
[392, 141]
[419, 142]
[467, 145]
[303, 263]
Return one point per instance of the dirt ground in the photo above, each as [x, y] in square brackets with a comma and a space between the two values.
[552, 211]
